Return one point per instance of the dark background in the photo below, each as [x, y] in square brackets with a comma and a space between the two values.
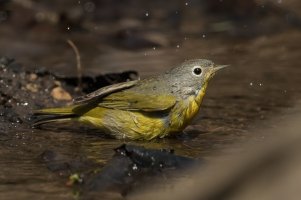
[116, 34]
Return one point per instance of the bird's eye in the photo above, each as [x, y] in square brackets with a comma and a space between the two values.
[197, 70]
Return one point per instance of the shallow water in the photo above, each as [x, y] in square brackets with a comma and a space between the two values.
[262, 82]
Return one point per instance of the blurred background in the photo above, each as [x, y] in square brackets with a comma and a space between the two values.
[260, 39]
[127, 34]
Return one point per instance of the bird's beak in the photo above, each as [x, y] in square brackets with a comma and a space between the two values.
[218, 67]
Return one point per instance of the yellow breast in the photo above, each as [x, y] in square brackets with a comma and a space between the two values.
[185, 110]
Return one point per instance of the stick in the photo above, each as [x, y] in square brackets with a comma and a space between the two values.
[78, 63]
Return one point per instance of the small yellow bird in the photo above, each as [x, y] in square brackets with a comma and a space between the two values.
[142, 109]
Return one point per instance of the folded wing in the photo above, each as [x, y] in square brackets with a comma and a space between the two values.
[133, 101]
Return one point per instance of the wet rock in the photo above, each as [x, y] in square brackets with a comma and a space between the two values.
[133, 167]
[146, 158]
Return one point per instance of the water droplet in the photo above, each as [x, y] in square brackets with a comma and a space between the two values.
[186, 4]
[135, 167]
[203, 35]
[146, 14]
[178, 46]
[154, 48]
[68, 28]
[251, 84]
[260, 84]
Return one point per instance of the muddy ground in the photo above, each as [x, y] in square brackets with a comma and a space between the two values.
[262, 46]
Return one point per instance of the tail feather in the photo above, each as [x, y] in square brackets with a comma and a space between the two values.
[51, 119]
[55, 111]
[50, 115]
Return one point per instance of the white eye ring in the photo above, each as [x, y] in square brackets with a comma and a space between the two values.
[197, 70]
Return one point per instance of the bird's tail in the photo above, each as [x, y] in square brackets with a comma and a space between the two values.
[49, 115]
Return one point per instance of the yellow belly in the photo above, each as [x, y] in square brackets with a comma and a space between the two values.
[139, 125]
[126, 124]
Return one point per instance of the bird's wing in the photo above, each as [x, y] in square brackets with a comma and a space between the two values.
[136, 101]
[104, 91]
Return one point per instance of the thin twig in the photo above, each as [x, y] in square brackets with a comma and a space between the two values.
[78, 63]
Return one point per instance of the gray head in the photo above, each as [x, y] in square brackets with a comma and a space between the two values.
[189, 77]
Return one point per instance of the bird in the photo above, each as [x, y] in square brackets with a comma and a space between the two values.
[145, 109]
